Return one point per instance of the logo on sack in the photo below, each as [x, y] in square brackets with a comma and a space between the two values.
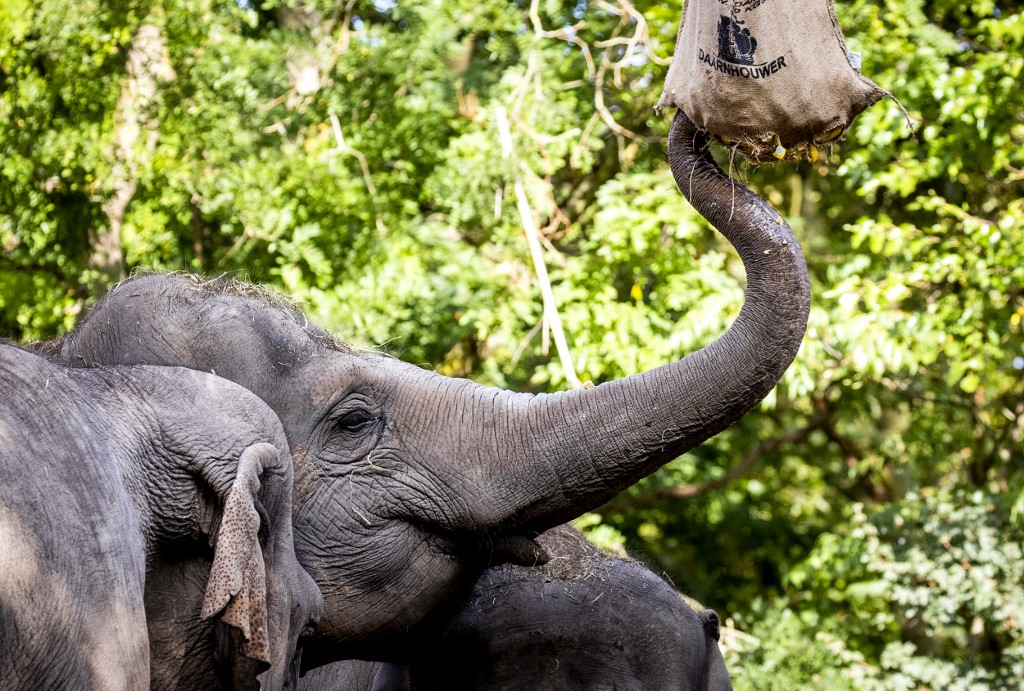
[735, 44]
[736, 47]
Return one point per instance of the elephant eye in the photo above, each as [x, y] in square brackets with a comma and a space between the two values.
[355, 420]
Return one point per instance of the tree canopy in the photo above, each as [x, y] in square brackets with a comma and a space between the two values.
[379, 160]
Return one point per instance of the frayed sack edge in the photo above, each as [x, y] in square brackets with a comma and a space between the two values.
[769, 148]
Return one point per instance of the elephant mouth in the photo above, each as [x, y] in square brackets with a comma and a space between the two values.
[483, 549]
[486, 550]
[521, 550]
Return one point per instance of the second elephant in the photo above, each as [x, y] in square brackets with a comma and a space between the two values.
[145, 532]
[582, 622]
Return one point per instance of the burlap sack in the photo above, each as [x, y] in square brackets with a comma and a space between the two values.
[771, 78]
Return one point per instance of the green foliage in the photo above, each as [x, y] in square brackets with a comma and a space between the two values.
[926, 593]
[788, 652]
[349, 155]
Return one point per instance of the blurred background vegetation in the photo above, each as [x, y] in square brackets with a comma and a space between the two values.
[861, 529]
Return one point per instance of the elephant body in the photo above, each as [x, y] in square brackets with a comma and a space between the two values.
[146, 534]
[583, 621]
[407, 483]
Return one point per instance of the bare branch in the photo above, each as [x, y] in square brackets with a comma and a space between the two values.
[552, 320]
[343, 148]
[341, 45]
[602, 109]
[642, 31]
[562, 34]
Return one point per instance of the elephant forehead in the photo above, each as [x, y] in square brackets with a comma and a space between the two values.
[325, 379]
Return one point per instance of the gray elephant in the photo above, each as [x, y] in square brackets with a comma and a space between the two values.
[584, 621]
[408, 483]
[145, 524]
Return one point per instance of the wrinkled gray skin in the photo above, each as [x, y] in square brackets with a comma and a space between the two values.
[408, 483]
[584, 621]
[131, 502]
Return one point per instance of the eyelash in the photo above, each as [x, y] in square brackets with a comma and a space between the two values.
[356, 421]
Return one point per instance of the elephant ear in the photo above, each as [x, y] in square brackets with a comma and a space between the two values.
[236, 591]
[716, 675]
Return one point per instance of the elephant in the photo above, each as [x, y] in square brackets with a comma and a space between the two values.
[145, 524]
[409, 483]
[582, 621]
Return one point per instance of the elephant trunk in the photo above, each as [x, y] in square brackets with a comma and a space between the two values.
[572, 451]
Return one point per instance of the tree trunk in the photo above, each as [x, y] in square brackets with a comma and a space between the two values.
[147, 65]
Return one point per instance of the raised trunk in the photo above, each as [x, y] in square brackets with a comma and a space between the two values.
[577, 449]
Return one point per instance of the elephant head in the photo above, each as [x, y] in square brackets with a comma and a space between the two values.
[406, 482]
[228, 470]
[145, 517]
[582, 621]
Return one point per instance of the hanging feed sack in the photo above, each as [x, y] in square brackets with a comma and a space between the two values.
[770, 78]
